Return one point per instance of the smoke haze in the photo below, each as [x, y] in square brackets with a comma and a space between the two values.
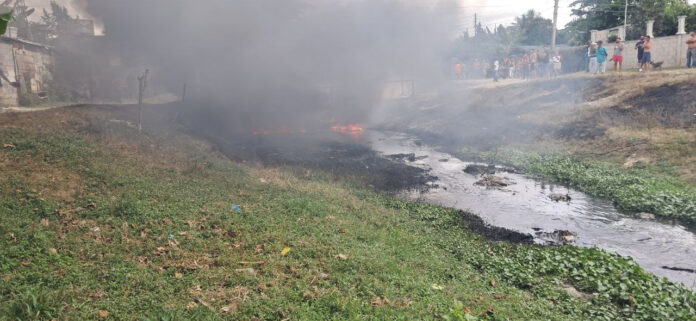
[263, 63]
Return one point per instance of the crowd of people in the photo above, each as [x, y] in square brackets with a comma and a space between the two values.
[546, 63]
[534, 64]
[597, 55]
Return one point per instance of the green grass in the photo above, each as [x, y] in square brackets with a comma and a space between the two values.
[631, 190]
[137, 241]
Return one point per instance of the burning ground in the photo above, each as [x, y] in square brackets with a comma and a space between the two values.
[331, 147]
[100, 222]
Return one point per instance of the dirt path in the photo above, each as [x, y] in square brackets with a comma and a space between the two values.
[18, 109]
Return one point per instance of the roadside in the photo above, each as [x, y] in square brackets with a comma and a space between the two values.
[103, 223]
[155, 100]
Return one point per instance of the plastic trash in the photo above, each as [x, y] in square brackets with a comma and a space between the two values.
[236, 208]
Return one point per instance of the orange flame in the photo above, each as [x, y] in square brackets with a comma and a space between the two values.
[353, 130]
[350, 129]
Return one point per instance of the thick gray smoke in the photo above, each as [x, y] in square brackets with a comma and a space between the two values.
[294, 63]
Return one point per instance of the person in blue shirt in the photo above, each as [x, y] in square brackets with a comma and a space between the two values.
[602, 54]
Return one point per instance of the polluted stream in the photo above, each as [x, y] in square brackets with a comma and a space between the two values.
[526, 206]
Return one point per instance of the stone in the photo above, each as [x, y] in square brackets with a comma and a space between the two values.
[572, 291]
[478, 169]
[494, 181]
[560, 197]
[646, 216]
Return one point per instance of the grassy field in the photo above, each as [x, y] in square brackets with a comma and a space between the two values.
[98, 222]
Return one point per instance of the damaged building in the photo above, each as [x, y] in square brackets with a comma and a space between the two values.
[29, 64]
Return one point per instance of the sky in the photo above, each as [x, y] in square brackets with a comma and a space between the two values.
[496, 12]
[45, 4]
[73, 9]
[492, 12]
[489, 12]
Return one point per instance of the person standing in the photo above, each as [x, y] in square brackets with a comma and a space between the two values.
[647, 47]
[592, 54]
[533, 63]
[618, 55]
[586, 57]
[496, 69]
[691, 52]
[458, 70]
[601, 57]
[556, 65]
[639, 48]
[542, 63]
[525, 67]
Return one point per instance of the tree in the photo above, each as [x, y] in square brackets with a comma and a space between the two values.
[18, 17]
[528, 29]
[604, 14]
[55, 22]
[4, 21]
[533, 29]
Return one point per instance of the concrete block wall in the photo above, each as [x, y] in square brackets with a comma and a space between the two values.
[671, 50]
[33, 64]
[8, 94]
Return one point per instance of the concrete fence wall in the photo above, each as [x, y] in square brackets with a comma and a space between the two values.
[670, 50]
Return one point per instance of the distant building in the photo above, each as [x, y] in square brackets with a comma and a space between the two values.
[28, 63]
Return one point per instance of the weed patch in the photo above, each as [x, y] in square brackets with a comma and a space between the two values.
[632, 190]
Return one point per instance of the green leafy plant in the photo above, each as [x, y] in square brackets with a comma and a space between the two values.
[30, 306]
[5, 19]
[459, 313]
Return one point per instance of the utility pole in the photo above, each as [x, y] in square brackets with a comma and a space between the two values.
[555, 25]
[475, 24]
[625, 20]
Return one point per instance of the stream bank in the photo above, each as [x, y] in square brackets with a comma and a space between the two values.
[527, 205]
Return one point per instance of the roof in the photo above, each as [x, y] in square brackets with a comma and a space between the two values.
[24, 42]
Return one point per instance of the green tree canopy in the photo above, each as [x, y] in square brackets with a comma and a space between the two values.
[532, 29]
[603, 14]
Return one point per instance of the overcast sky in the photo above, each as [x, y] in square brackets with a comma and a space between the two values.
[495, 12]
[490, 12]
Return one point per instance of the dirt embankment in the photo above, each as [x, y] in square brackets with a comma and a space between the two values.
[631, 119]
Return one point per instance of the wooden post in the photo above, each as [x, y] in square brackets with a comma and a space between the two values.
[142, 85]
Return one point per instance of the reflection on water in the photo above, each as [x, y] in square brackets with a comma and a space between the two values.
[526, 206]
